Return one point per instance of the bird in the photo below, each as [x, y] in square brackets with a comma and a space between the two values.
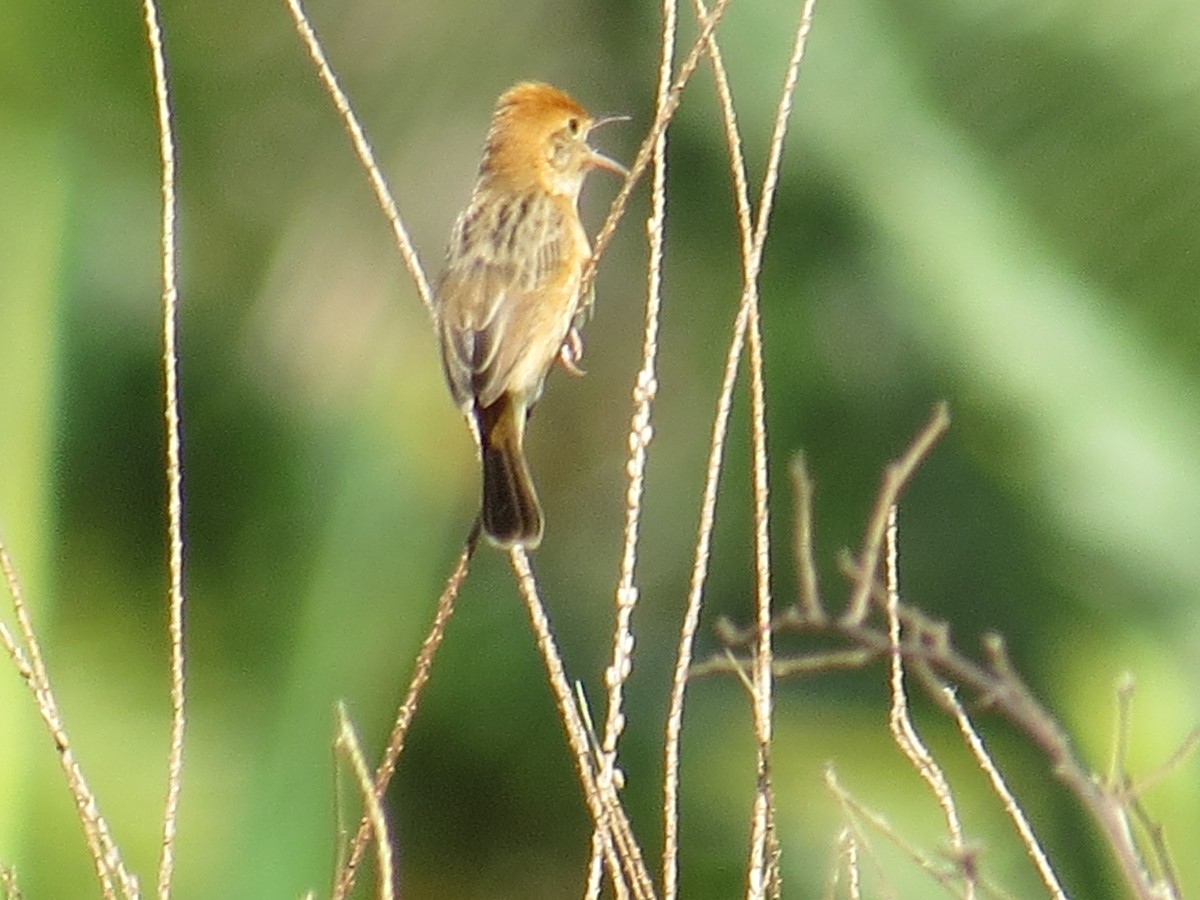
[507, 303]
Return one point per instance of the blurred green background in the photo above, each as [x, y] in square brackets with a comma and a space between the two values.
[989, 202]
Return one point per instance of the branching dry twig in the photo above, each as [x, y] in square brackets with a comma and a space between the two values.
[927, 647]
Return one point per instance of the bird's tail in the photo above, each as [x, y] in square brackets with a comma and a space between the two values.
[511, 513]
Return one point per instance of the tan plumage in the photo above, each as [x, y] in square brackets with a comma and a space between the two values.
[508, 296]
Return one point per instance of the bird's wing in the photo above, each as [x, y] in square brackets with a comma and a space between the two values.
[499, 301]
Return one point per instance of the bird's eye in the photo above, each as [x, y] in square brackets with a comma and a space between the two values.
[573, 126]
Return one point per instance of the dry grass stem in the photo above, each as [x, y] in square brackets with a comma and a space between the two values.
[662, 118]
[404, 716]
[853, 877]
[614, 776]
[105, 856]
[171, 414]
[640, 434]
[691, 617]
[347, 743]
[845, 858]
[900, 722]
[949, 700]
[9, 890]
[760, 855]
[876, 622]
[764, 872]
[626, 598]
[365, 154]
[1167, 879]
[622, 855]
[778, 133]
[595, 868]
[733, 139]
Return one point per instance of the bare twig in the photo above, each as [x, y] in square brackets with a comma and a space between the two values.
[1001, 688]
[895, 477]
[791, 666]
[808, 602]
[1186, 750]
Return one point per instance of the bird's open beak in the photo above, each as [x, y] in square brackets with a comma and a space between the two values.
[598, 159]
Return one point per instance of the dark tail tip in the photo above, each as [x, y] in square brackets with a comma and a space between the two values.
[511, 513]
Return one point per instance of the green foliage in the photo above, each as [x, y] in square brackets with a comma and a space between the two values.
[986, 202]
